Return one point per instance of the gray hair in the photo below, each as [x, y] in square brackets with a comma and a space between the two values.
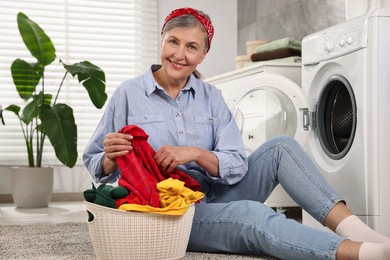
[187, 21]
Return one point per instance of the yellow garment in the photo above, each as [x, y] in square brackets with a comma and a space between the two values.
[175, 199]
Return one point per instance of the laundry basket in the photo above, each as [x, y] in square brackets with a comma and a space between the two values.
[118, 234]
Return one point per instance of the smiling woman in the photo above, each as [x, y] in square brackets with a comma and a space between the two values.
[119, 36]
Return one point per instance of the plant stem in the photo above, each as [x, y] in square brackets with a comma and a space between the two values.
[59, 88]
[39, 155]
[30, 153]
[40, 136]
[28, 140]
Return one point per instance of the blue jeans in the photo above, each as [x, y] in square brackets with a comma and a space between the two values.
[237, 221]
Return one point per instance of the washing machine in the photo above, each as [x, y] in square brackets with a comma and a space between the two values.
[266, 100]
[346, 80]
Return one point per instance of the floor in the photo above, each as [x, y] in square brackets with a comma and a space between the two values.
[75, 211]
[57, 212]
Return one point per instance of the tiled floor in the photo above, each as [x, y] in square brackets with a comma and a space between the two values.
[57, 212]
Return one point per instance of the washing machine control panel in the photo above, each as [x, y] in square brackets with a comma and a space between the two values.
[335, 41]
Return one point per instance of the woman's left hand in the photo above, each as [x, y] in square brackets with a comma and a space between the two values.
[169, 157]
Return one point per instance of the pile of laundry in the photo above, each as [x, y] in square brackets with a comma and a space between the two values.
[142, 187]
[278, 49]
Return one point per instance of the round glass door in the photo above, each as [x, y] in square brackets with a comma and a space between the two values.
[266, 106]
[336, 117]
[262, 113]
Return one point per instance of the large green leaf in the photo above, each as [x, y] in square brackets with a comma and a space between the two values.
[13, 108]
[59, 125]
[26, 77]
[31, 110]
[92, 78]
[36, 40]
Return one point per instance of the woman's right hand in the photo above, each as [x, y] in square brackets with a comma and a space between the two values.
[115, 145]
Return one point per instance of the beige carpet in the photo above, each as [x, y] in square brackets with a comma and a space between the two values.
[67, 241]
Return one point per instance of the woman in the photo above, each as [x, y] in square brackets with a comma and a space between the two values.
[191, 128]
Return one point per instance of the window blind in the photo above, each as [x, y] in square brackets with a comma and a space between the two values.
[119, 36]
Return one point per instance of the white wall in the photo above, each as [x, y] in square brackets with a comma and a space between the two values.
[223, 14]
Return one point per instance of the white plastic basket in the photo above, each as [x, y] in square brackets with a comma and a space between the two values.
[118, 234]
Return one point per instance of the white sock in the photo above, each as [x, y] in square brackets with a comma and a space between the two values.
[377, 251]
[353, 228]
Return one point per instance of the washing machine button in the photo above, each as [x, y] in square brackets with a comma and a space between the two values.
[329, 46]
[350, 40]
[342, 43]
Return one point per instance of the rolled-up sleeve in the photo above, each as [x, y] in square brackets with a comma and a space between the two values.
[93, 155]
[229, 147]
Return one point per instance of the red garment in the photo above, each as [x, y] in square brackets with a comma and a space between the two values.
[140, 173]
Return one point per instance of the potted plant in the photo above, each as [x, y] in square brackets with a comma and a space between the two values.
[42, 116]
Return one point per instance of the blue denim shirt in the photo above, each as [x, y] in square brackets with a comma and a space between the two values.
[198, 117]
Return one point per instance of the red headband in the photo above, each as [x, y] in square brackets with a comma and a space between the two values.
[201, 18]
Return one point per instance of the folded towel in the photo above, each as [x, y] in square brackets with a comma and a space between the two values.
[275, 54]
[292, 59]
[281, 43]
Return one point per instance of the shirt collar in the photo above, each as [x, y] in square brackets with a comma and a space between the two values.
[151, 85]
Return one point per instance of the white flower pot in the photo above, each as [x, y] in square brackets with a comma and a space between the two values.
[32, 187]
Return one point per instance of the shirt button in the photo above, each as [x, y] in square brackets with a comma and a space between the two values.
[177, 114]
[181, 132]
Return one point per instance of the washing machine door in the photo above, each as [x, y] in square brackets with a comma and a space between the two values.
[267, 105]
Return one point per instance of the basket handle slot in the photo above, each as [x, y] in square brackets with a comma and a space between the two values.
[91, 217]
[90, 210]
